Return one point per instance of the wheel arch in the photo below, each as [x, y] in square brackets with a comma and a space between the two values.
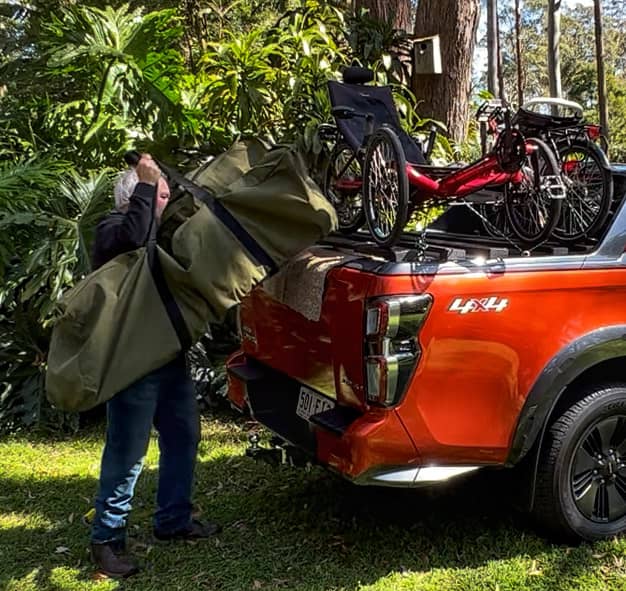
[596, 357]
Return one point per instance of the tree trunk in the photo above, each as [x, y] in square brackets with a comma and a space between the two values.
[493, 80]
[554, 41]
[602, 104]
[518, 54]
[195, 30]
[395, 12]
[445, 97]
[502, 94]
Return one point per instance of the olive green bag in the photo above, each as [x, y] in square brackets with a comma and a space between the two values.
[252, 209]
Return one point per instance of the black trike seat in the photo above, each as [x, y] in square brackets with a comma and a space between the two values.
[377, 100]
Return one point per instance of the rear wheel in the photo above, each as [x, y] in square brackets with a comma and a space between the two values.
[531, 207]
[494, 219]
[581, 479]
[343, 184]
[589, 186]
[385, 187]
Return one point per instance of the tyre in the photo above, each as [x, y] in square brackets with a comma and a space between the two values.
[385, 187]
[581, 477]
[343, 184]
[589, 184]
[531, 208]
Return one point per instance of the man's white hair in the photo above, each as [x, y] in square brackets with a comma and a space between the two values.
[124, 188]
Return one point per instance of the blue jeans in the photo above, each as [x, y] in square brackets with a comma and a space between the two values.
[165, 398]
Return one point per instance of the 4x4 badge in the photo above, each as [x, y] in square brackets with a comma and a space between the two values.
[492, 304]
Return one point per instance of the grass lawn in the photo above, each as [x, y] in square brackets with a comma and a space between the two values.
[283, 529]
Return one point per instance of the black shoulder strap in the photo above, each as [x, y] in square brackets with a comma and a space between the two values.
[227, 218]
[171, 307]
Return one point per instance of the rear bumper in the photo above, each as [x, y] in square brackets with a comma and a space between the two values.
[367, 448]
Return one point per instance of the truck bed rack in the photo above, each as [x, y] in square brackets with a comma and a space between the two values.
[459, 235]
[444, 246]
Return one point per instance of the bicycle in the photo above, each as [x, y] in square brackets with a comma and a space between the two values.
[396, 175]
[584, 165]
[343, 143]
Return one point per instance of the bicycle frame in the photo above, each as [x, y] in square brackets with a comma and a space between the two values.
[349, 185]
[487, 171]
[458, 183]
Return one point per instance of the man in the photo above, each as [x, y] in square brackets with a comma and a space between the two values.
[164, 398]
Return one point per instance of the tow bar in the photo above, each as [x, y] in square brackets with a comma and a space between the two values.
[280, 452]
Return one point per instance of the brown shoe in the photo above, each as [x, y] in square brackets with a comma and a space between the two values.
[196, 530]
[113, 561]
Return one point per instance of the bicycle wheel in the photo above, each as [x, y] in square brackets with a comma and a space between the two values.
[589, 184]
[385, 187]
[343, 183]
[494, 219]
[533, 206]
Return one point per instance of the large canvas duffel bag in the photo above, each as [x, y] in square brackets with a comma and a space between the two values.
[243, 218]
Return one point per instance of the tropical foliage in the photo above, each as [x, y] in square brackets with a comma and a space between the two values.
[47, 218]
[80, 84]
[577, 56]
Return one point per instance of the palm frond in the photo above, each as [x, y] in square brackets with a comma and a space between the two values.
[24, 182]
[129, 60]
[91, 199]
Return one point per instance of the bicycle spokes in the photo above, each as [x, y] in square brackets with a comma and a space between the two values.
[534, 204]
[384, 188]
[589, 192]
[343, 187]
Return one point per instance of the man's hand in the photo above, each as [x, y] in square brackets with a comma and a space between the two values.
[147, 170]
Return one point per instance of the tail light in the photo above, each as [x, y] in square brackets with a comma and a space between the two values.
[392, 345]
[593, 132]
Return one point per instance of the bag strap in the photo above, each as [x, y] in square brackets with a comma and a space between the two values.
[154, 264]
[227, 218]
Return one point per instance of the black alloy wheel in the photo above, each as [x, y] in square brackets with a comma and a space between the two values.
[598, 471]
[581, 474]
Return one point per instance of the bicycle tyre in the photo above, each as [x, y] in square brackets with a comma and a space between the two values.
[350, 219]
[589, 183]
[530, 201]
[385, 187]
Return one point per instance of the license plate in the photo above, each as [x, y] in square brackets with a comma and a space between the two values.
[311, 403]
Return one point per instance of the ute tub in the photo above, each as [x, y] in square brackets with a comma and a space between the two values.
[353, 443]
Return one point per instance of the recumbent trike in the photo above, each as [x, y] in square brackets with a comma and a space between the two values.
[396, 178]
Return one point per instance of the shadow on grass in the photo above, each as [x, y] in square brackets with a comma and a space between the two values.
[283, 529]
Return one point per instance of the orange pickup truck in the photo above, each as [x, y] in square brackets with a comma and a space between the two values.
[407, 368]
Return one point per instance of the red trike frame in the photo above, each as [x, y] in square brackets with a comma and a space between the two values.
[456, 183]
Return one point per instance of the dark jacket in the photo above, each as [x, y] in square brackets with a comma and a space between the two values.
[122, 232]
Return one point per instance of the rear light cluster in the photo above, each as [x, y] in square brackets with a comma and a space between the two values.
[392, 346]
